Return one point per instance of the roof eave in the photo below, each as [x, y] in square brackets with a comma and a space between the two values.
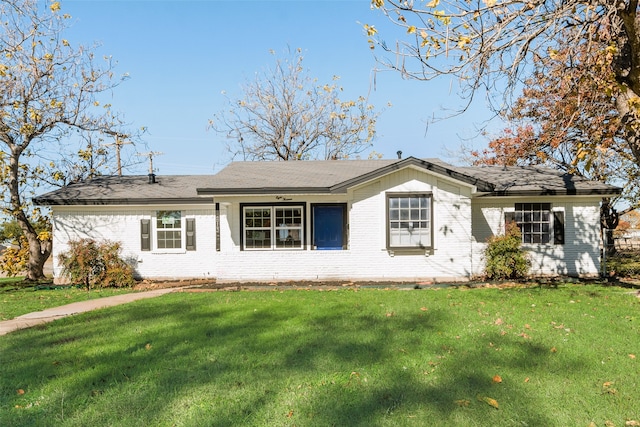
[548, 192]
[264, 191]
[129, 201]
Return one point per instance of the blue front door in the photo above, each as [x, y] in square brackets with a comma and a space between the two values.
[328, 227]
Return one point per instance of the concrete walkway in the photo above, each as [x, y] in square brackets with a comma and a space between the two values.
[51, 314]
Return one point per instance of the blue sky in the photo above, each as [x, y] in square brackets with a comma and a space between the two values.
[181, 56]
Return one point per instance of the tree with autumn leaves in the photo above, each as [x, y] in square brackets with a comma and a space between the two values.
[493, 44]
[567, 118]
[49, 91]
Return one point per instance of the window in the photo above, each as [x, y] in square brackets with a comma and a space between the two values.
[273, 227]
[169, 229]
[169, 233]
[409, 221]
[538, 223]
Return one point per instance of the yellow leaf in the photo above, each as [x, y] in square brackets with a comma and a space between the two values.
[632, 356]
[489, 401]
[464, 40]
[377, 3]
[442, 17]
[433, 3]
[411, 29]
[490, 3]
[497, 379]
[55, 6]
[371, 30]
[632, 423]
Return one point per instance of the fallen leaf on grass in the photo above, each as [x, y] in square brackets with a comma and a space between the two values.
[290, 414]
[424, 308]
[20, 391]
[498, 322]
[147, 346]
[632, 423]
[497, 379]
[554, 350]
[526, 380]
[463, 403]
[632, 356]
[489, 401]
[606, 388]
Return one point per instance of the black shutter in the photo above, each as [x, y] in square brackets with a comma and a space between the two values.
[145, 235]
[509, 217]
[558, 228]
[191, 234]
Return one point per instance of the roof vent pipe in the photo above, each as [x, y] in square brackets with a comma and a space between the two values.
[399, 153]
[152, 178]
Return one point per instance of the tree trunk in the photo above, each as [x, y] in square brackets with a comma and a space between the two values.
[609, 220]
[38, 251]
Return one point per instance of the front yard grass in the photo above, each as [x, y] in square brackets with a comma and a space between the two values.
[18, 297]
[456, 357]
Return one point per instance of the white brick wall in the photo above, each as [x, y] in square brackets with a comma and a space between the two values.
[366, 257]
[122, 224]
[579, 256]
[461, 226]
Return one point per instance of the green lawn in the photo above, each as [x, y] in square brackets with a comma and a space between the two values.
[564, 357]
[18, 298]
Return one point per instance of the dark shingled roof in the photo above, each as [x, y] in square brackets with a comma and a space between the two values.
[130, 190]
[314, 177]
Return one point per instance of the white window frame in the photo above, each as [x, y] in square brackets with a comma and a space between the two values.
[412, 224]
[281, 233]
[157, 230]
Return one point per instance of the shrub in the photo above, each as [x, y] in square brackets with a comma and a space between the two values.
[96, 264]
[505, 258]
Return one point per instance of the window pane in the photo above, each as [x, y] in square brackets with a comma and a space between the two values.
[258, 239]
[168, 225]
[409, 224]
[168, 219]
[534, 221]
[285, 231]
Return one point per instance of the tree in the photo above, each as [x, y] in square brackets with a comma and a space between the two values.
[286, 115]
[489, 44]
[567, 118]
[49, 91]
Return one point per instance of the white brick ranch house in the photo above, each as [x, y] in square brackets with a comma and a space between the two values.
[402, 219]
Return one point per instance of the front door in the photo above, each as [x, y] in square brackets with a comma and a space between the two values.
[329, 226]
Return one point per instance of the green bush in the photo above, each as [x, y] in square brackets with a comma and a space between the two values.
[96, 264]
[505, 258]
